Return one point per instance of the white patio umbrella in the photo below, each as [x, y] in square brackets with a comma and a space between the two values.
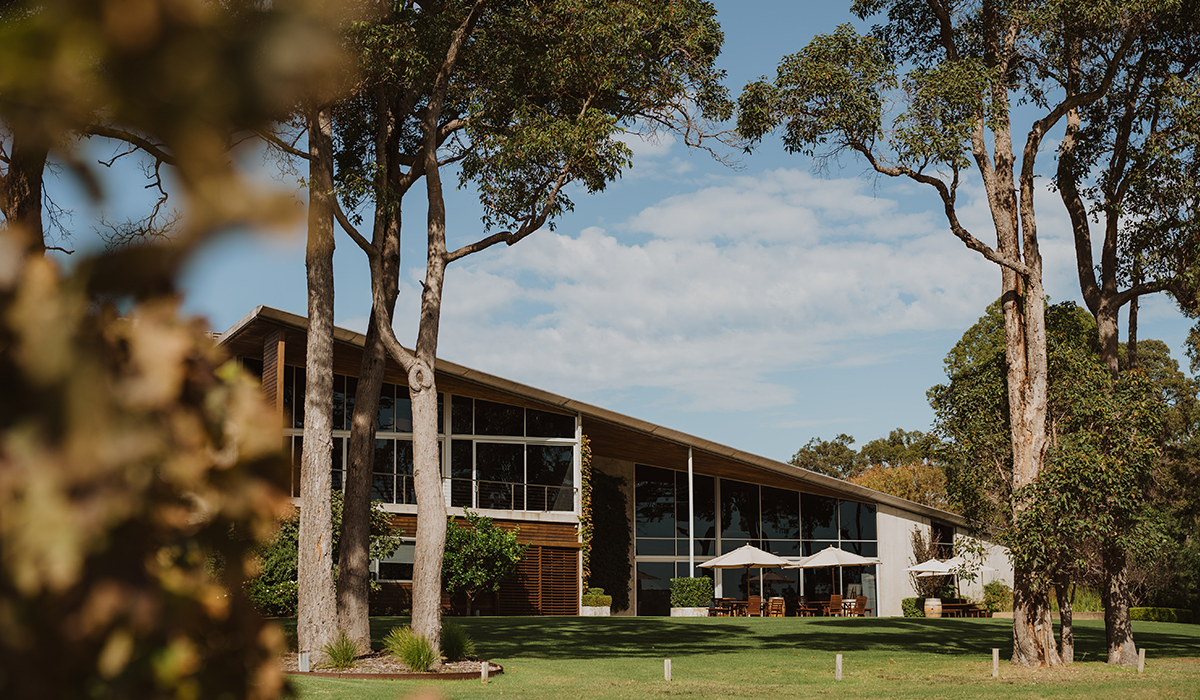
[745, 557]
[832, 556]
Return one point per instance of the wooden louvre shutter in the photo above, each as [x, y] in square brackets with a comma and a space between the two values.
[545, 583]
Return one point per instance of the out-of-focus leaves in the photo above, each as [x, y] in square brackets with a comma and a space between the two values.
[129, 457]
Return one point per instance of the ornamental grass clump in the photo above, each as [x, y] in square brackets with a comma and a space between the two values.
[413, 650]
[341, 652]
[456, 643]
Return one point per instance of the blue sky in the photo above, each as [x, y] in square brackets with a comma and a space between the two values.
[758, 305]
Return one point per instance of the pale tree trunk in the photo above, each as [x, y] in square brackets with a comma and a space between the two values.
[1065, 591]
[21, 196]
[353, 594]
[1118, 631]
[317, 614]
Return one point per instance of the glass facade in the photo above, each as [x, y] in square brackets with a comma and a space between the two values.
[728, 514]
[502, 457]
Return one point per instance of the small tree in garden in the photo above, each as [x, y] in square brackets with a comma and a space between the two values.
[924, 549]
[478, 557]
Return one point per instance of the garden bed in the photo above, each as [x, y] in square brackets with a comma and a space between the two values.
[381, 666]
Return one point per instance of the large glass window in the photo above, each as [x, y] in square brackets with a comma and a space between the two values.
[399, 566]
[654, 496]
[857, 520]
[739, 511]
[818, 517]
[498, 419]
[500, 471]
[550, 477]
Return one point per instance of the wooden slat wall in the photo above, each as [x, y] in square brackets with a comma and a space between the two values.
[272, 380]
[565, 535]
[546, 583]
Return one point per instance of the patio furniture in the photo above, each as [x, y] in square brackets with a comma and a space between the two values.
[775, 607]
[834, 606]
[858, 608]
[720, 608]
[754, 606]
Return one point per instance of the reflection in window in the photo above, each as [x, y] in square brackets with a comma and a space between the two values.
[739, 510]
[498, 419]
[818, 517]
[550, 476]
[500, 470]
[548, 425]
[383, 477]
[654, 496]
[857, 520]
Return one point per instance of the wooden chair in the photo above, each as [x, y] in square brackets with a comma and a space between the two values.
[802, 607]
[860, 606]
[755, 607]
[834, 606]
[775, 607]
[717, 608]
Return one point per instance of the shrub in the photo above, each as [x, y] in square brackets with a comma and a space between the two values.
[414, 650]
[341, 652]
[273, 600]
[456, 643]
[1161, 614]
[997, 596]
[691, 592]
[595, 598]
[913, 607]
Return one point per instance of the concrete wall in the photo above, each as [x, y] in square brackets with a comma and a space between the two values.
[895, 528]
[995, 557]
[617, 467]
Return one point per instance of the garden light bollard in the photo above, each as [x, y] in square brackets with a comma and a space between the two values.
[483, 671]
[304, 662]
[995, 663]
[1141, 660]
[666, 669]
[837, 668]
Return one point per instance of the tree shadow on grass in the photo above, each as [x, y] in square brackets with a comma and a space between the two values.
[589, 638]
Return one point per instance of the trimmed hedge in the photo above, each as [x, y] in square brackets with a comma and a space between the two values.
[691, 592]
[595, 598]
[913, 607]
[1161, 614]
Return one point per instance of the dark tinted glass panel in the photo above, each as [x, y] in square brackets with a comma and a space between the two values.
[775, 582]
[253, 366]
[739, 510]
[654, 495]
[704, 510]
[298, 399]
[550, 425]
[404, 470]
[441, 413]
[654, 587]
[461, 472]
[386, 417]
[461, 422]
[735, 583]
[862, 549]
[818, 517]
[681, 506]
[340, 420]
[394, 571]
[651, 547]
[860, 580]
[819, 584]
[704, 548]
[498, 419]
[857, 520]
[336, 463]
[383, 488]
[550, 475]
[385, 457]
[289, 393]
[728, 545]
[500, 470]
[404, 411]
[780, 514]
[811, 547]
[351, 390]
[681, 570]
[783, 548]
[297, 458]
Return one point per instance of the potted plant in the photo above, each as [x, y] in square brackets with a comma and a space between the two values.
[691, 597]
[595, 603]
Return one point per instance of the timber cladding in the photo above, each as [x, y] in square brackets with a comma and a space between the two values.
[546, 583]
[564, 535]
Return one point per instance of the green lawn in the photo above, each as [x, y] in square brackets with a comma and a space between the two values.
[584, 658]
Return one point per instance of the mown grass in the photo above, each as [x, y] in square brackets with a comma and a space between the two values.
[586, 658]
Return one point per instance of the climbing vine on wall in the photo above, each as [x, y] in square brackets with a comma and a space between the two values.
[585, 520]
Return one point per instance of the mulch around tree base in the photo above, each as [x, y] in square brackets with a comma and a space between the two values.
[384, 666]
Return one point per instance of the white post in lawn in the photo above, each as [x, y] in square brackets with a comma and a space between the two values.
[837, 668]
[995, 663]
[483, 671]
[691, 519]
[666, 669]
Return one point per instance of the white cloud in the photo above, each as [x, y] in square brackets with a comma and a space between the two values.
[706, 295]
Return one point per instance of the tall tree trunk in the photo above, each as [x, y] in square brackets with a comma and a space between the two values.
[1118, 632]
[317, 623]
[1131, 347]
[353, 594]
[1065, 591]
[21, 195]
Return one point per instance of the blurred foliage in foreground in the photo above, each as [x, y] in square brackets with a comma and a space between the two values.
[138, 471]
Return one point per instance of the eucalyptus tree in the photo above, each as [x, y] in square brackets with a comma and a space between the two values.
[962, 73]
[1126, 174]
[524, 99]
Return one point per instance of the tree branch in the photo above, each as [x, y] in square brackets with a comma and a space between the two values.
[355, 236]
[282, 145]
[510, 237]
[136, 140]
